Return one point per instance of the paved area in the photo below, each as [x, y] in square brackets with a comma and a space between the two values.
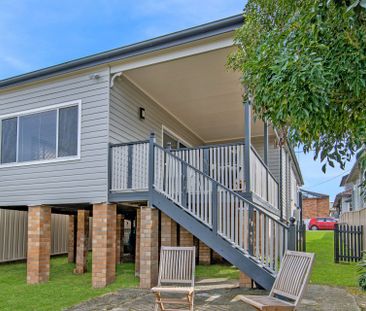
[220, 295]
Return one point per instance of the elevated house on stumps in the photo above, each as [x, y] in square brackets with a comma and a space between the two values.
[157, 133]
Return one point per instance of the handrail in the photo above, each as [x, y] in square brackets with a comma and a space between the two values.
[209, 146]
[264, 210]
[138, 142]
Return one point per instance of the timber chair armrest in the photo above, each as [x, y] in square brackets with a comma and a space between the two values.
[265, 303]
[176, 277]
[289, 286]
[184, 290]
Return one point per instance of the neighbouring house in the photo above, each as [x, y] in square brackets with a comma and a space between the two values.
[314, 204]
[76, 140]
[352, 198]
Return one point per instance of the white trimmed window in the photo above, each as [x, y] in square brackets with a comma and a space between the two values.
[41, 135]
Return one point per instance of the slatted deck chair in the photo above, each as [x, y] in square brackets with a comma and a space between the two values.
[176, 277]
[289, 285]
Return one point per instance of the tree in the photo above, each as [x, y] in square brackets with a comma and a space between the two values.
[304, 64]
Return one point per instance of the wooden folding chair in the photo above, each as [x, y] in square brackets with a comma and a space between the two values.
[289, 285]
[176, 276]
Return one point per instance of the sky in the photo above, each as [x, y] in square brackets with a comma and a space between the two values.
[35, 34]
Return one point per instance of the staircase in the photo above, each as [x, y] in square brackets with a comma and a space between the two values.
[248, 235]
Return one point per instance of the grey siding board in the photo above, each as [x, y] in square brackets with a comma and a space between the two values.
[76, 181]
[273, 154]
[125, 124]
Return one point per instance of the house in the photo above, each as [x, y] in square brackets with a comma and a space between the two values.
[155, 132]
[314, 204]
[352, 198]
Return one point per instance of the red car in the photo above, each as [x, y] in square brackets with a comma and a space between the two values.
[322, 223]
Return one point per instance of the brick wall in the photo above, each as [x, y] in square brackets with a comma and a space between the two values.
[39, 244]
[104, 244]
[149, 253]
[315, 207]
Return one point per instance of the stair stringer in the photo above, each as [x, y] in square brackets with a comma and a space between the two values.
[213, 240]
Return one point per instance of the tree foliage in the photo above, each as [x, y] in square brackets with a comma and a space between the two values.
[304, 63]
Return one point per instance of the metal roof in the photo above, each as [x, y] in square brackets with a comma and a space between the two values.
[174, 39]
[311, 194]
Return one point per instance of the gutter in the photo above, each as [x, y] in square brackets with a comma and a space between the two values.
[163, 42]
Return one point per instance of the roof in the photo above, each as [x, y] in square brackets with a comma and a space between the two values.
[174, 39]
[344, 180]
[313, 195]
[339, 196]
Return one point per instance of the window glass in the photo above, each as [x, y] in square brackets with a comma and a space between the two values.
[169, 139]
[68, 131]
[37, 136]
[175, 143]
[9, 140]
[40, 136]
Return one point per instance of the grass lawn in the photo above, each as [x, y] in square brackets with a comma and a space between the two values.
[66, 289]
[325, 271]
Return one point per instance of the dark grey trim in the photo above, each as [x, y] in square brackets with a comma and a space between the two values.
[174, 39]
[129, 166]
[119, 197]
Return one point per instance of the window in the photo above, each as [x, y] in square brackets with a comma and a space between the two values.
[174, 141]
[39, 136]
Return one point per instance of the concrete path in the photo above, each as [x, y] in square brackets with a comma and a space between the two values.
[221, 295]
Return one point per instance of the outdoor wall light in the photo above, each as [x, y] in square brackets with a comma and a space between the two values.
[142, 113]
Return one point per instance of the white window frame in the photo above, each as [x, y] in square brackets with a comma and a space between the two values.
[164, 129]
[39, 110]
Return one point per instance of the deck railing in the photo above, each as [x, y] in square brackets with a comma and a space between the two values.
[250, 228]
[223, 163]
[263, 183]
[129, 166]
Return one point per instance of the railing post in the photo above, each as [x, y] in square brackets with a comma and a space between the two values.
[109, 168]
[265, 130]
[151, 166]
[336, 244]
[215, 209]
[247, 168]
[129, 166]
[292, 235]
[247, 146]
